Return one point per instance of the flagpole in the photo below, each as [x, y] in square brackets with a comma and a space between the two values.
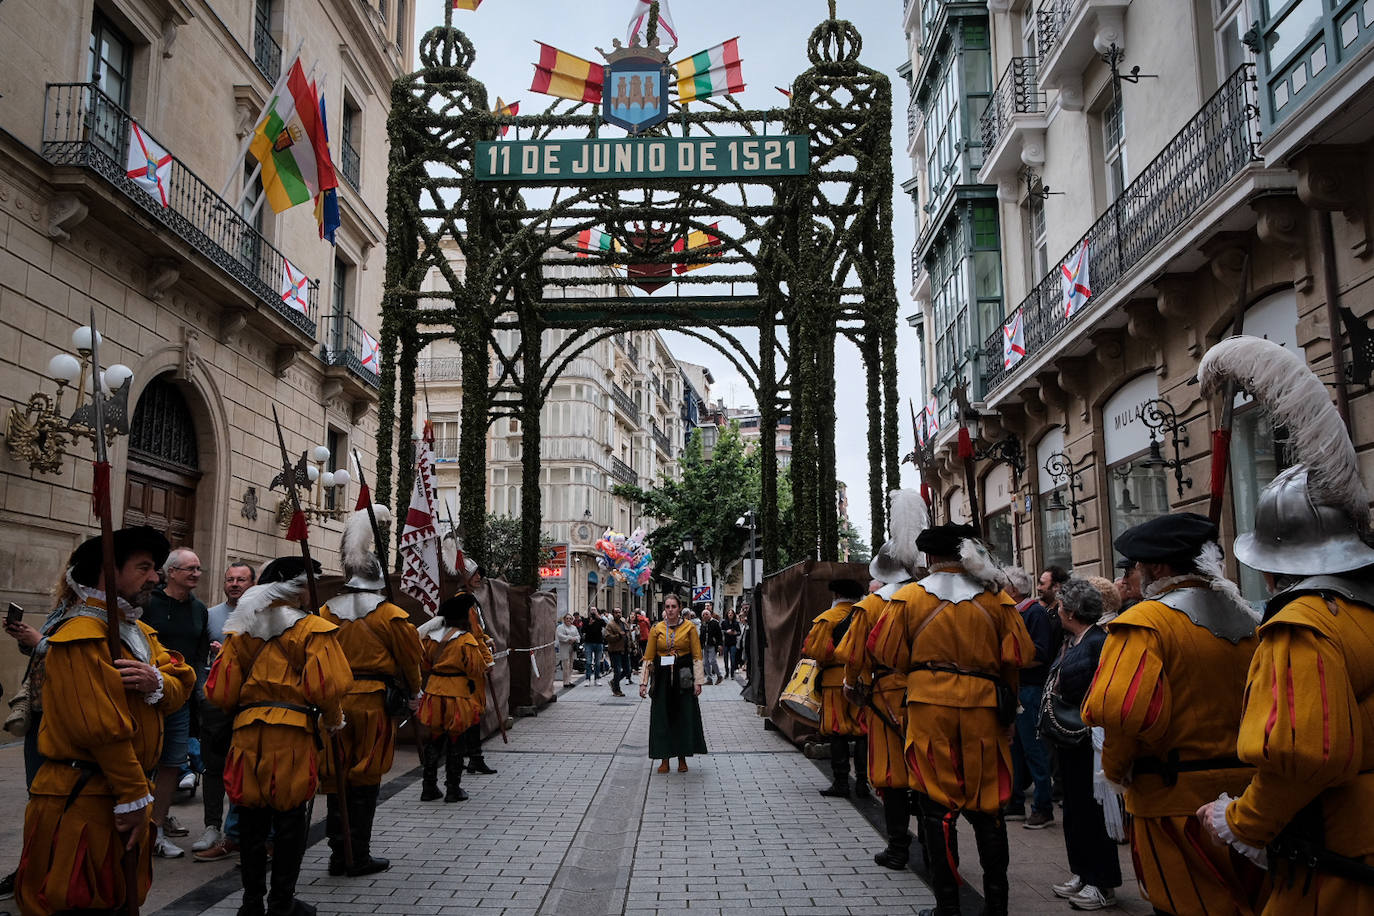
[248, 138]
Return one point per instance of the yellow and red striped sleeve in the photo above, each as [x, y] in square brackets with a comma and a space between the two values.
[1129, 698]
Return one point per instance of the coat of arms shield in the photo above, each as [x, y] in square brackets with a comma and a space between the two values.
[635, 93]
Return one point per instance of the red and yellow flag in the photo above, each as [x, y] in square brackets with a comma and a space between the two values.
[697, 241]
[567, 76]
[505, 111]
[466, 4]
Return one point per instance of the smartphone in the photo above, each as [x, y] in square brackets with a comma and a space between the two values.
[15, 615]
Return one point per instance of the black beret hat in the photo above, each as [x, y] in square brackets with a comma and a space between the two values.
[1175, 538]
[86, 559]
[846, 588]
[284, 569]
[457, 607]
[943, 540]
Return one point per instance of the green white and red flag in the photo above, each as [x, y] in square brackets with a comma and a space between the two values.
[291, 143]
[594, 241]
[715, 71]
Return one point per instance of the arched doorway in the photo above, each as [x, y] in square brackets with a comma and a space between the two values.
[164, 463]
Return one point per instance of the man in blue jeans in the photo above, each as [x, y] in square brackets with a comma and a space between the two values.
[594, 642]
[1029, 754]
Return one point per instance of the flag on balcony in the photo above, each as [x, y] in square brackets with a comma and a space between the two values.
[327, 201]
[1073, 280]
[420, 537]
[696, 241]
[506, 111]
[1013, 340]
[639, 23]
[932, 418]
[371, 353]
[715, 71]
[295, 288]
[567, 76]
[290, 142]
[594, 241]
[149, 165]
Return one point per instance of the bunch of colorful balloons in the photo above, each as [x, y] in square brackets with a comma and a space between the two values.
[626, 557]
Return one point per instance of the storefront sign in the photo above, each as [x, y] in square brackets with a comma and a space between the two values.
[1051, 442]
[557, 566]
[1124, 433]
[579, 161]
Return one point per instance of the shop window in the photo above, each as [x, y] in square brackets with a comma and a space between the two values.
[1135, 494]
[998, 535]
[1056, 529]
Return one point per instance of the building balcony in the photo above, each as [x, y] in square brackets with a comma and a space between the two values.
[1013, 125]
[623, 472]
[626, 405]
[440, 369]
[1215, 147]
[347, 344]
[267, 55]
[1072, 33]
[915, 127]
[86, 133]
[350, 164]
[446, 449]
[661, 440]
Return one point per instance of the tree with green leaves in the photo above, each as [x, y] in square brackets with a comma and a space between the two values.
[503, 547]
[859, 551]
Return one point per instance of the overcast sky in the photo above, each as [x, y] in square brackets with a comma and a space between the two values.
[772, 42]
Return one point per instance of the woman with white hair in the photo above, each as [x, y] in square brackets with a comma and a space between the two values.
[1091, 851]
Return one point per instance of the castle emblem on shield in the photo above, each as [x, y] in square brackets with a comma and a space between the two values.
[634, 94]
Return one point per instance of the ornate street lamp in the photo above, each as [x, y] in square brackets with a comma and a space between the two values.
[1159, 414]
[1061, 467]
[323, 492]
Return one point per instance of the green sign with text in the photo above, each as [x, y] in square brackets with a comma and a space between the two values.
[578, 161]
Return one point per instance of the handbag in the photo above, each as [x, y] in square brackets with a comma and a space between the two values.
[686, 680]
[20, 719]
[1060, 722]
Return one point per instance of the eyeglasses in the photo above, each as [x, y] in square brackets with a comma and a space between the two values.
[194, 569]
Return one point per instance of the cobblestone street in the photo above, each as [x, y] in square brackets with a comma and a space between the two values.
[576, 822]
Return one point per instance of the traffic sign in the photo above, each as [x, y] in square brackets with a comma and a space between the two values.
[701, 593]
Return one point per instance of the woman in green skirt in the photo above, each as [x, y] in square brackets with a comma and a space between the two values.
[672, 670]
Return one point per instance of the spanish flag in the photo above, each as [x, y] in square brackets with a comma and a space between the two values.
[567, 76]
[698, 241]
[504, 110]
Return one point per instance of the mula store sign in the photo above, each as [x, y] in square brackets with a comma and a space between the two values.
[577, 161]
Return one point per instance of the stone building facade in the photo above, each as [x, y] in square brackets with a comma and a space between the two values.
[1222, 185]
[188, 294]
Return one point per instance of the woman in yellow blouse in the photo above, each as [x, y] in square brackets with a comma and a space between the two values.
[672, 667]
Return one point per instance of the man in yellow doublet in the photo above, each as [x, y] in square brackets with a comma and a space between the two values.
[384, 654]
[100, 736]
[960, 644]
[283, 676]
[1168, 696]
[454, 697]
[839, 720]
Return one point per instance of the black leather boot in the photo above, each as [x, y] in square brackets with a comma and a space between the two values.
[254, 826]
[938, 828]
[990, 832]
[333, 828]
[896, 821]
[861, 768]
[430, 753]
[288, 848]
[362, 808]
[472, 748]
[453, 774]
[839, 768]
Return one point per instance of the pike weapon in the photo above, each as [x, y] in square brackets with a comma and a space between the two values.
[966, 454]
[1221, 436]
[300, 531]
[114, 617]
[376, 529]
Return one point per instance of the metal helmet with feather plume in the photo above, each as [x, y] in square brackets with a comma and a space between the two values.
[898, 559]
[1310, 519]
[357, 550]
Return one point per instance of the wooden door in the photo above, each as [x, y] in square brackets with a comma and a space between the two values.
[164, 464]
[152, 498]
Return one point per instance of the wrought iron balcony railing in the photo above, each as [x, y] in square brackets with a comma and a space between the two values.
[267, 55]
[351, 164]
[662, 441]
[446, 449]
[1050, 20]
[439, 369]
[347, 344]
[623, 472]
[1017, 93]
[1211, 149]
[631, 349]
[915, 120]
[83, 126]
[625, 403]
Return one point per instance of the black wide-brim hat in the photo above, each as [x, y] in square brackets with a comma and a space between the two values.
[1176, 538]
[284, 569]
[943, 540]
[86, 559]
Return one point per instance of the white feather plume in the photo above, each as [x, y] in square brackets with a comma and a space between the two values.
[1209, 563]
[357, 550]
[979, 564]
[1298, 401]
[260, 613]
[907, 518]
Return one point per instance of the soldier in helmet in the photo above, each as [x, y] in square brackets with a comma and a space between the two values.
[383, 651]
[1309, 697]
[1167, 695]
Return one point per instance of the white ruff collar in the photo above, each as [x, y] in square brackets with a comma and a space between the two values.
[354, 605]
[439, 630]
[85, 593]
[266, 611]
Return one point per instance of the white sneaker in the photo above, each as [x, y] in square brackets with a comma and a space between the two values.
[1093, 898]
[1069, 888]
[189, 782]
[164, 848]
[210, 837]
